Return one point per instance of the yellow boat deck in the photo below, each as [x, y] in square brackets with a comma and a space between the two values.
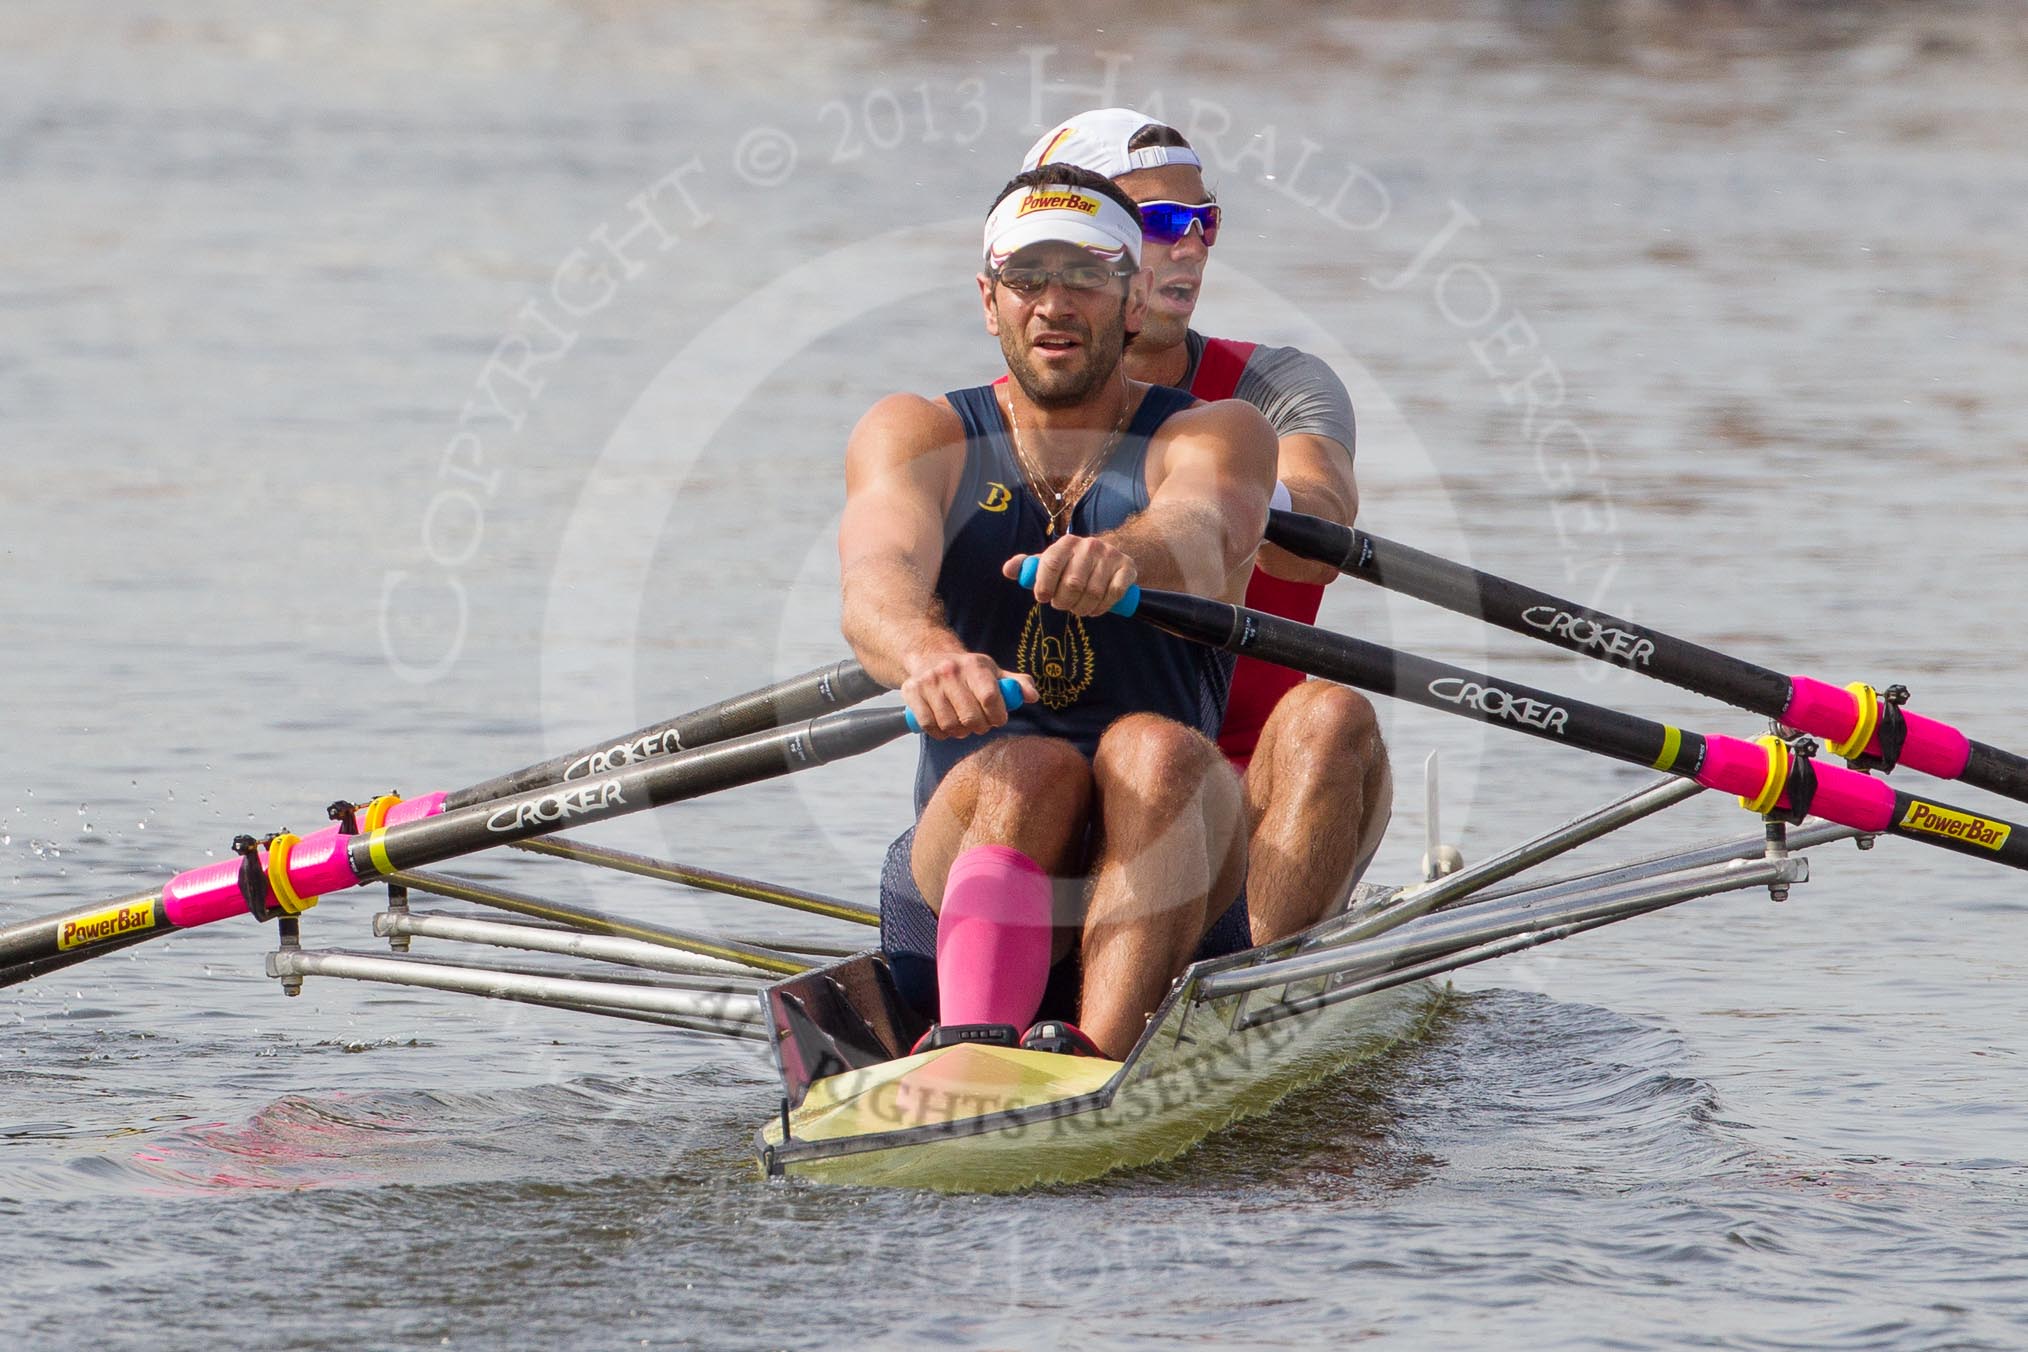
[973, 1118]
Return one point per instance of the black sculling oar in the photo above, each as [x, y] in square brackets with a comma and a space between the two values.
[107, 926]
[1870, 729]
[1767, 776]
[838, 686]
[285, 875]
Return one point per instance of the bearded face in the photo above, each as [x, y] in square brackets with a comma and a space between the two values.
[1062, 361]
[1062, 345]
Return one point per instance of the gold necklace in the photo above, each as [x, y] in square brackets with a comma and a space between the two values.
[1060, 504]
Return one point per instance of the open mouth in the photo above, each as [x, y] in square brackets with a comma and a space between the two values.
[1057, 342]
[1183, 291]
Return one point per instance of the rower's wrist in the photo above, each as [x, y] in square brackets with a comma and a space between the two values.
[924, 657]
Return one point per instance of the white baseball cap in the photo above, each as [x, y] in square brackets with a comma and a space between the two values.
[1098, 141]
[1064, 212]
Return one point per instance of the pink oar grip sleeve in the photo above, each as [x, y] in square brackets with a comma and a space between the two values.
[1733, 766]
[415, 809]
[993, 938]
[198, 896]
[1820, 709]
[1843, 796]
[1932, 747]
[320, 864]
[1825, 710]
[1852, 799]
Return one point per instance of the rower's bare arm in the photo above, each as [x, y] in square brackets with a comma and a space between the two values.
[1317, 471]
[1210, 476]
[898, 483]
[901, 469]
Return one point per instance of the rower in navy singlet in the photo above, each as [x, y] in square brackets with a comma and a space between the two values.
[1319, 792]
[1097, 834]
[1087, 672]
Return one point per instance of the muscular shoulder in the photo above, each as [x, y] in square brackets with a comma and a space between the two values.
[1282, 370]
[908, 422]
[1211, 417]
[1226, 427]
[906, 431]
[1299, 393]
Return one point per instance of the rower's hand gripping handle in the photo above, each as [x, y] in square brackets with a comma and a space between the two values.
[1010, 689]
[1126, 605]
[1010, 694]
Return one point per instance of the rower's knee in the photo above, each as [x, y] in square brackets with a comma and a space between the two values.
[1328, 719]
[1145, 749]
[1015, 759]
[1321, 745]
[1033, 793]
[1158, 763]
[1035, 772]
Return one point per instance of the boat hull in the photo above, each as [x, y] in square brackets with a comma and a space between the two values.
[997, 1119]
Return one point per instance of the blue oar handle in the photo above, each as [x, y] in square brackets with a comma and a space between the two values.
[1126, 605]
[1010, 695]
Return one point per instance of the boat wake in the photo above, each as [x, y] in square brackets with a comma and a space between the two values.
[580, 1130]
[1501, 1081]
[1530, 1085]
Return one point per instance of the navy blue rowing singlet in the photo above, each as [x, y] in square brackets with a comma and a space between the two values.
[1088, 671]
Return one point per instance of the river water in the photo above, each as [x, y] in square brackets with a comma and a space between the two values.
[392, 395]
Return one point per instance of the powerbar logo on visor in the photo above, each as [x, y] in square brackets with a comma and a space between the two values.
[100, 926]
[1951, 824]
[1058, 201]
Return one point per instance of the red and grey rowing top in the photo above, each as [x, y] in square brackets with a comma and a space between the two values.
[1298, 394]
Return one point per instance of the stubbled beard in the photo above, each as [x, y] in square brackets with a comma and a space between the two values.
[1164, 330]
[1067, 389]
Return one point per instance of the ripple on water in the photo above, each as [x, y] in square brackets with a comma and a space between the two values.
[533, 1137]
[1528, 1162]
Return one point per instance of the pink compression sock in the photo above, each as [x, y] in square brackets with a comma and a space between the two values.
[993, 938]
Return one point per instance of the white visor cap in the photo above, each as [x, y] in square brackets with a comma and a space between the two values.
[1060, 212]
[1098, 141]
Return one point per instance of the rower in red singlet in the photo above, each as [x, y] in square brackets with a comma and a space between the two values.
[1319, 792]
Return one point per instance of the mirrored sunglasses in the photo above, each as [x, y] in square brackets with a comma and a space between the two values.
[1167, 222]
